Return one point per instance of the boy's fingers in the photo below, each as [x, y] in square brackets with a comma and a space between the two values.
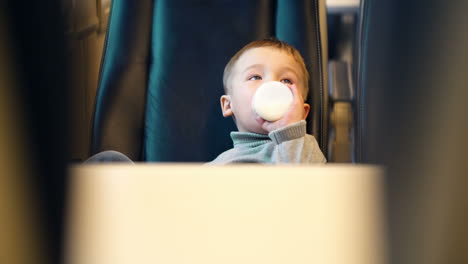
[295, 92]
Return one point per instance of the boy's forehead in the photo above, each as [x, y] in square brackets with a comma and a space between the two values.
[262, 53]
[265, 55]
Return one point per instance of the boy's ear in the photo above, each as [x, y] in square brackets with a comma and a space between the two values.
[226, 105]
[306, 110]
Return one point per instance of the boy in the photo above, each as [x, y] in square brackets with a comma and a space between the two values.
[258, 140]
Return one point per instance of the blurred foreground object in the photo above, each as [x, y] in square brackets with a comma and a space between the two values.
[20, 237]
[188, 213]
[33, 96]
[412, 90]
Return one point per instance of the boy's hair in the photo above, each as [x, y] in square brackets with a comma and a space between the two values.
[269, 42]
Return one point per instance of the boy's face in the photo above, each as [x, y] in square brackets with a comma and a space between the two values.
[254, 67]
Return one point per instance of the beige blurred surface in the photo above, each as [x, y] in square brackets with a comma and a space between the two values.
[232, 214]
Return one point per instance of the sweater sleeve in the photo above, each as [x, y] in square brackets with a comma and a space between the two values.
[293, 145]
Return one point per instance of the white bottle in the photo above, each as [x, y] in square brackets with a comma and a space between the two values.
[272, 100]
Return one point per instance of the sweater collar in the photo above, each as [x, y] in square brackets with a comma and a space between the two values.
[248, 139]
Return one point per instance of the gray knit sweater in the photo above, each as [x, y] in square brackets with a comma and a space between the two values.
[289, 144]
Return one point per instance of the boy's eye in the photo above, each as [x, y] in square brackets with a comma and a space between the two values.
[255, 78]
[287, 81]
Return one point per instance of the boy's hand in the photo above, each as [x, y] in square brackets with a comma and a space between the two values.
[296, 112]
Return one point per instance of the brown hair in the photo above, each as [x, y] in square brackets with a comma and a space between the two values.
[270, 42]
